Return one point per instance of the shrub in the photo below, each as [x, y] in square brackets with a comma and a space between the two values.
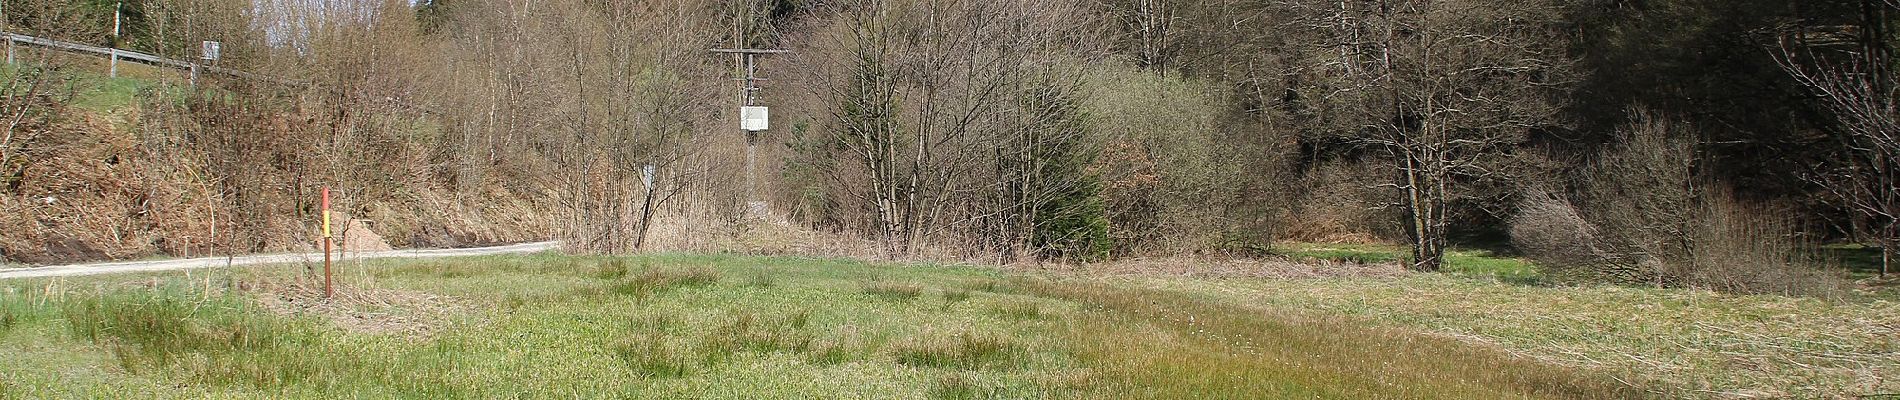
[1641, 216]
[1743, 249]
[1549, 230]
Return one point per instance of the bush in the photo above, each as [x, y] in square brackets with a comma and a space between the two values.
[1744, 249]
[1178, 174]
[1549, 230]
[1643, 217]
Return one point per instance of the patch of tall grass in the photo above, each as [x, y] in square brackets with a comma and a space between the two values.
[955, 350]
[754, 333]
[897, 291]
[650, 356]
[657, 280]
[22, 308]
[1018, 309]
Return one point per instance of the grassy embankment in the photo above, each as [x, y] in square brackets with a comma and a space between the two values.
[714, 326]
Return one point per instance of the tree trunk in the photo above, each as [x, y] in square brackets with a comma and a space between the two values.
[646, 220]
[1888, 252]
[1421, 207]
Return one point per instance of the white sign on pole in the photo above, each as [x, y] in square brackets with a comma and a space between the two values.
[210, 50]
[754, 118]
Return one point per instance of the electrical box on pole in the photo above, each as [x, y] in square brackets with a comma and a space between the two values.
[209, 50]
[754, 118]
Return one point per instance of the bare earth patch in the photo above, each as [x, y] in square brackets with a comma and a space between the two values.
[364, 310]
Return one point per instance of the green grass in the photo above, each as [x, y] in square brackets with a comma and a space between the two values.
[103, 94]
[93, 90]
[701, 326]
[1469, 262]
[1861, 261]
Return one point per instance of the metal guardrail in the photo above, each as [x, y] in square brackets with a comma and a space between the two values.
[161, 61]
[140, 57]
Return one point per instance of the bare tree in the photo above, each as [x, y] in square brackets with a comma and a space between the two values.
[1447, 89]
[1859, 89]
[640, 109]
[1148, 30]
[923, 95]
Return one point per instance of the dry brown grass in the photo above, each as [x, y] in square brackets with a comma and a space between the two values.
[1191, 348]
[410, 314]
[162, 172]
[1691, 343]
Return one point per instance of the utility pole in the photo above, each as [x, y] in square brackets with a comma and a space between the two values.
[117, 10]
[753, 119]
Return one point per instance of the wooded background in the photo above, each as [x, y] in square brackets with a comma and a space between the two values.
[1709, 143]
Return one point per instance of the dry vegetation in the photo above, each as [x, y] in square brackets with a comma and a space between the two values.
[1001, 132]
[1693, 343]
[1147, 169]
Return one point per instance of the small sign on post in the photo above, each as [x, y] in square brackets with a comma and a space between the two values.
[754, 118]
[209, 50]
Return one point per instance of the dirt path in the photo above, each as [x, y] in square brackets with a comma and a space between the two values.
[213, 262]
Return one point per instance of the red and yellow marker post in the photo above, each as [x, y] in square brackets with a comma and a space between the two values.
[328, 289]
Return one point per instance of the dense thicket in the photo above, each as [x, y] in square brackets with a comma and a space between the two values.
[1613, 138]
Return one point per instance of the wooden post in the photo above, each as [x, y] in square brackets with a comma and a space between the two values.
[329, 288]
[116, 10]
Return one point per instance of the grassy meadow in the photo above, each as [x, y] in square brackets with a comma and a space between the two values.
[695, 326]
[717, 326]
